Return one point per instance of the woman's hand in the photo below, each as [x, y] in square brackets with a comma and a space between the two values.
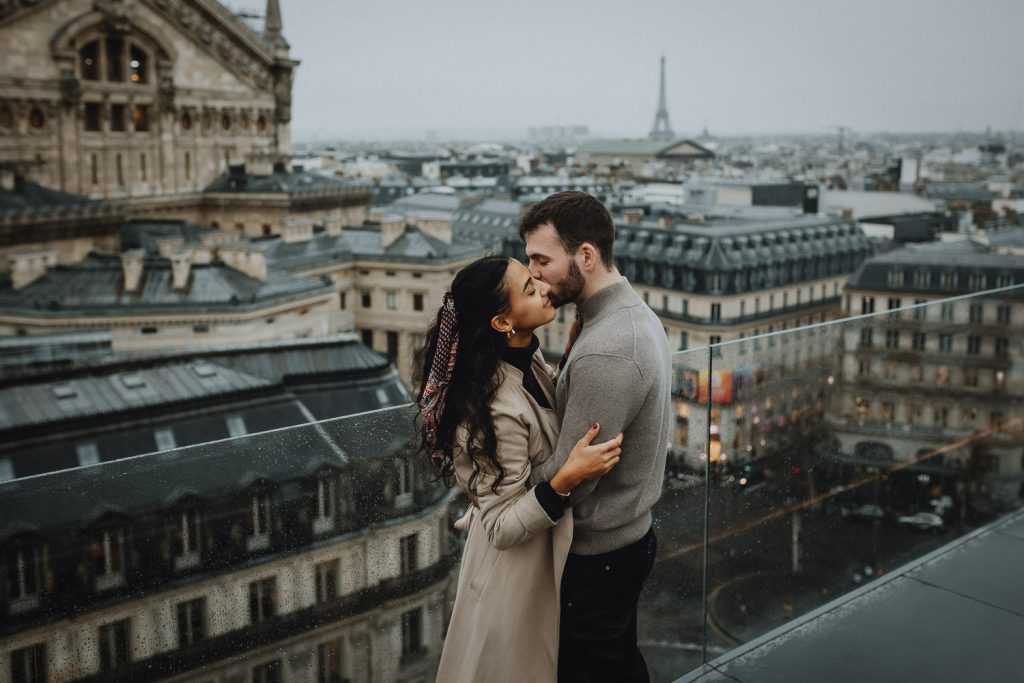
[587, 461]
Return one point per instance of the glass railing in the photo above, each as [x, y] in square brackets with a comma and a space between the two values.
[805, 463]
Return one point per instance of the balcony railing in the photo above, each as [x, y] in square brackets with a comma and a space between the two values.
[792, 480]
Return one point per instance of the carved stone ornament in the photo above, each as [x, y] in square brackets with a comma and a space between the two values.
[118, 14]
[166, 91]
[70, 88]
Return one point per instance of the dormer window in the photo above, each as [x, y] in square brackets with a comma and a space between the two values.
[326, 503]
[186, 536]
[406, 477]
[259, 522]
[107, 551]
[25, 576]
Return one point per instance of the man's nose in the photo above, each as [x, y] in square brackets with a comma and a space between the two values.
[535, 272]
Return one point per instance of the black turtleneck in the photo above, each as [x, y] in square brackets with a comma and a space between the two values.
[522, 359]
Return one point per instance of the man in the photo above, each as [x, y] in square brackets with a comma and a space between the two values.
[618, 374]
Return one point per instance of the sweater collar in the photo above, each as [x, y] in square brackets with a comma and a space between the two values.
[520, 359]
[607, 298]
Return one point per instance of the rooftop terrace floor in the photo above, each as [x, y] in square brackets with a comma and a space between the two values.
[956, 614]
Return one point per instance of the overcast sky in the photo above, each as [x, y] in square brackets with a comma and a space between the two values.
[393, 66]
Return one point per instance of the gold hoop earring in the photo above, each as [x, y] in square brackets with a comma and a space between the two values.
[510, 333]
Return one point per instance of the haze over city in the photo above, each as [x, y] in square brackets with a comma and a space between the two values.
[411, 68]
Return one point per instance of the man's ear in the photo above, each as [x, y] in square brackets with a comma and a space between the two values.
[589, 255]
[500, 323]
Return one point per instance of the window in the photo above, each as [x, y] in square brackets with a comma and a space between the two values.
[258, 522]
[894, 303]
[973, 344]
[406, 472]
[94, 169]
[262, 600]
[28, 664]
[137, 65]
[107, 550]
[1003, 314]
[914, 413]
[326, 576]
[328, 662]
[866, 334]
[188, 165]
[89, 61]
[142, 167]
[977, 282]
[417, 302]
[947, 313]
[344, 295]
[115, 59]
[916, 372]
[684, 341]
[946, 343]
[236, 425]
[867, 304]
[743, 308]
[140, 118]
[971, 377]
[114, 651]
[326, 491]
[191, 621]
[715, 339]
[922, 278]
[267, 673]
[412, 632]
[716, 312]
[1002, 346]
[25, 576]
[367, 336]
[892, 339]
[918, 341]
[88, 454]
[999, 379]
[863, 409]
[891, 369]
[407, 549]
[975, 313]
[92, 118]
[942, 375]
[941, 416]
[117, 118]
[392, 345]
[887, 411]
[949, 280]
[864, 368]
[366, 300]
[164, 439]
[186, 538]
[391, 300]
[895, 278]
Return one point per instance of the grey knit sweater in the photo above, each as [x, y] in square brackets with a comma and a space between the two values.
[618, 374]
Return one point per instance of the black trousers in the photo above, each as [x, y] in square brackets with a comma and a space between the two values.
[597, 637]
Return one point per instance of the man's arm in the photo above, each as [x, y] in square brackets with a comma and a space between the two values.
[603, 389]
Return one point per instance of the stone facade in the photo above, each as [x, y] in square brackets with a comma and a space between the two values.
[121, 99]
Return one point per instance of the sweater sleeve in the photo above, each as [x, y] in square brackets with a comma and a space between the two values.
[609, 390]
[513, 513]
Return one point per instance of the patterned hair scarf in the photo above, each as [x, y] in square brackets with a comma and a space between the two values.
[431, 403]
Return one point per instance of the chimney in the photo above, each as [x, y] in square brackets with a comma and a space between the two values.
[333, 224]
[169, 245]
[131, 265]
[181, 267]
[245, 258]
[632, 216]
[29, 265]
[260, 165]
[297, 230]
[6, 178]
[391, 228]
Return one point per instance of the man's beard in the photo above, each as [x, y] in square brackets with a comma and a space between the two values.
[569, 288]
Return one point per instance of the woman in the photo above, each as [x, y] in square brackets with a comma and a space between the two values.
[487, 419]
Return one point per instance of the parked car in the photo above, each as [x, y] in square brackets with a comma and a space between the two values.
[925, 521]
[867, 512]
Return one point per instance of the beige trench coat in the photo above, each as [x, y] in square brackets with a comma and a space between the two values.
[504, 626]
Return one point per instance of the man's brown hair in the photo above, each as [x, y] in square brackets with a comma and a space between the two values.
[577, 218]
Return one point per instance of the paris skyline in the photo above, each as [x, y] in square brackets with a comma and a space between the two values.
[735, 68]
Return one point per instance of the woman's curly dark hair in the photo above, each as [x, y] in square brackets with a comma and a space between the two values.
[479, 294]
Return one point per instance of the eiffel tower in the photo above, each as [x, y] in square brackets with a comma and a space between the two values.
[662, 130]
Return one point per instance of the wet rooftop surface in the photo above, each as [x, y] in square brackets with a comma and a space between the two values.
[956, 614]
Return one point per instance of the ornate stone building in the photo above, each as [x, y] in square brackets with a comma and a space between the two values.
[126, 99]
